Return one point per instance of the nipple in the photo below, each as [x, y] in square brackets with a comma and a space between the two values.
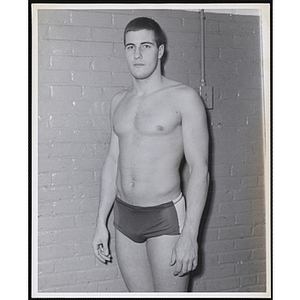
[160, 128]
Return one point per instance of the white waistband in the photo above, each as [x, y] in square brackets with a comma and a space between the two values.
[178, 198]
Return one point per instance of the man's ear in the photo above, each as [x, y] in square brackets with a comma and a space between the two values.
[161, 50]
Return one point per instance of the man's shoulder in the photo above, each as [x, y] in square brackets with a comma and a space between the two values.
[118, 97]
[187, 90]
[180, 87]
[184, 93]
[187, 98]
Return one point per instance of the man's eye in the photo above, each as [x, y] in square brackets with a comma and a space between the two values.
[146, 46]
[129, 47]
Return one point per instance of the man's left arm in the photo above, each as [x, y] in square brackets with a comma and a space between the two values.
[195, 143]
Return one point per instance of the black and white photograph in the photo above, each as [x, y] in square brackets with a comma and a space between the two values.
[151, 142]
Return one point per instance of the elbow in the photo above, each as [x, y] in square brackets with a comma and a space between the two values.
[205, 174]
[207, 177]
[200, 172]
[200, 168]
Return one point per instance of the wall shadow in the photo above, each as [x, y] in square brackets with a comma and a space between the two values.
[165, 56]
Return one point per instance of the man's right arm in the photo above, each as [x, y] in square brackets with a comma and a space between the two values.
[107, 195]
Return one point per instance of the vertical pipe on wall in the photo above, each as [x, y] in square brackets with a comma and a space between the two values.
[202, 17]
[206, 92]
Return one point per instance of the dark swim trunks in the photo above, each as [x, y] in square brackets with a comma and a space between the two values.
[140, 223]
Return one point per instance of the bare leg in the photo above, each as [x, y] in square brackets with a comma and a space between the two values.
[159, 253]
[134, 264]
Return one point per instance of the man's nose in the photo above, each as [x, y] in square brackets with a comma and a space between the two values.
[137, 53]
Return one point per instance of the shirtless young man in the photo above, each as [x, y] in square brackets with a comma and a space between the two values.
[154, 123]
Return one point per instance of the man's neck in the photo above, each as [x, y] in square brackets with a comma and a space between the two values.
[143, 87]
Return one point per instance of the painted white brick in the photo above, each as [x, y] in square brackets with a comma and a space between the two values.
[82, 65]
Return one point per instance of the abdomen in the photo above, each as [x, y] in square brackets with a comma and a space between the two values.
[148, 172]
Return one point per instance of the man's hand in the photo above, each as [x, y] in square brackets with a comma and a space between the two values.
[185, 255]
[100, 244]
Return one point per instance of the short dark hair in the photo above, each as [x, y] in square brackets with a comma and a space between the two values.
[148, 24]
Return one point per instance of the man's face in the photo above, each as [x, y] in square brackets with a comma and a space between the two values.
[142, 53]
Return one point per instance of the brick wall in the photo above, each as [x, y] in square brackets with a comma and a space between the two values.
[81, 66]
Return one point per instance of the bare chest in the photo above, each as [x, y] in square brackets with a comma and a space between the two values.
[153, 117]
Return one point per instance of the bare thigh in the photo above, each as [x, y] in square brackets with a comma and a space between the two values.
[134, 264]
[159, 251]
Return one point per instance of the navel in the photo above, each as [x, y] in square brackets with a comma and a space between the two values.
[160, 128]
[131, 184]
